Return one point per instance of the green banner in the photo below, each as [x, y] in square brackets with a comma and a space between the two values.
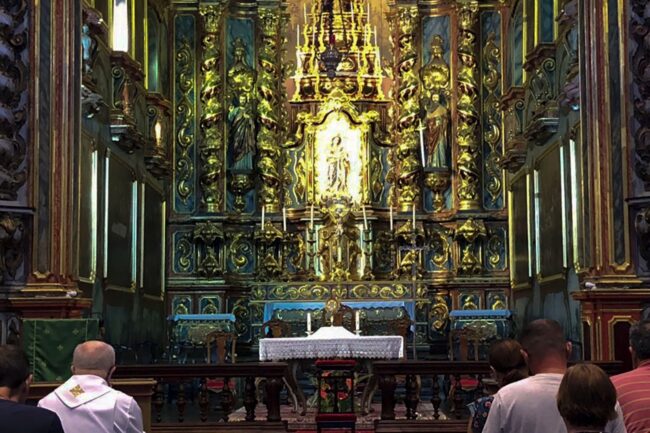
[49, 344]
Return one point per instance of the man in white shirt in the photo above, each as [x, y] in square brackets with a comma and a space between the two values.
[530, 405]
[86, 402]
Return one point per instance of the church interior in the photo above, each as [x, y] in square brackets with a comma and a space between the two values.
[189, 179]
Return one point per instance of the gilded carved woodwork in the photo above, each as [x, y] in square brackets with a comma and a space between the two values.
[359, 76]
[269, 97]
[516, 146]
[127, 78]
[541, 104]
[12, 244]
[639, 30]
[469, 150]
[211, 123]
[209, 236]
[492, 119]
[184, 119]
[405, 157]
[158, 126]
[439, 313]
[470, 234]
[13, 43]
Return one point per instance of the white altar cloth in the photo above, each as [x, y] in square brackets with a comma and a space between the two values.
[332, 342]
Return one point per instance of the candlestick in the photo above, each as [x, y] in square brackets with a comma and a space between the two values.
[284, 219]
[421, 128]
[263, 215]
[413, 216]
[311, 217]
[308, 322]
[391, 218]
[356, 320]
[365, 219]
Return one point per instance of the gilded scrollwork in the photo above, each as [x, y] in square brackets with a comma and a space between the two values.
[639, 30]
[11, 246]
[242, 315]
[184, 251]
[469, 153]
[211, 124]
[240, 251]
[440, 248]
[13, 41]
[439, 313]
[492, 117]
[184, 118]
[495, 250]
[269, 97]
[405, 158]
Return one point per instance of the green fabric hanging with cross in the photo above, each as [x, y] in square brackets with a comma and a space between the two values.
[49, 344]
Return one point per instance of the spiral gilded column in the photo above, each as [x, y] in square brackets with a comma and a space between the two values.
[406, 158]
[268, 108]
[212, 138]
[468, 160]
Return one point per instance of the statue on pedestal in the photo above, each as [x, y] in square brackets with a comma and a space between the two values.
[435, 81]
[241, 112]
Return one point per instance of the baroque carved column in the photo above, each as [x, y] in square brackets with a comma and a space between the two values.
[467, 135]
[406, 157]
[212, 139]
[269, 81]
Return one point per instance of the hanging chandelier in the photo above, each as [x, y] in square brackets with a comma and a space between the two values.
[331, 56]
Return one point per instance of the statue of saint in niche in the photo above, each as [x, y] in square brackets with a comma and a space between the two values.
[338, 166]
[241, 113]
[435, 79]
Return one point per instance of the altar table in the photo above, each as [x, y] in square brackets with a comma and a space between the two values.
[330, 342]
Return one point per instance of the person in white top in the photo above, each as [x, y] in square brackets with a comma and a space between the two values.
[529, 405]
[86, 402]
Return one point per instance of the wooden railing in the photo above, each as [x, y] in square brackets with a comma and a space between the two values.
[184, 383]
[451, 384]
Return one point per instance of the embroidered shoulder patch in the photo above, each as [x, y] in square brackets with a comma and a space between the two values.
[76, 391]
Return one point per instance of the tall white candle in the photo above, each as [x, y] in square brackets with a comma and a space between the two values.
[368, 12]
[263, 214]
[339, 253]
[298, 35]
[421, 128]
[311, 216]
[284, 219]
[352, 11]
[391, 218]
[413, 216]
[375, 35]
[365, 219]
[308, 322]
[304, 11]
[356, 320]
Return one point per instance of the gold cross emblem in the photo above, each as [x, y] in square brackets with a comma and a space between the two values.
[76, 391]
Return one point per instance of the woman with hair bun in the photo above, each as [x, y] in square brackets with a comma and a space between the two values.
[508, 365]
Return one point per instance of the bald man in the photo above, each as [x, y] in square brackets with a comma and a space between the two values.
[86, 402]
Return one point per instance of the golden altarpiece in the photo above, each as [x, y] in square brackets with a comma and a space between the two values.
[376, 182]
